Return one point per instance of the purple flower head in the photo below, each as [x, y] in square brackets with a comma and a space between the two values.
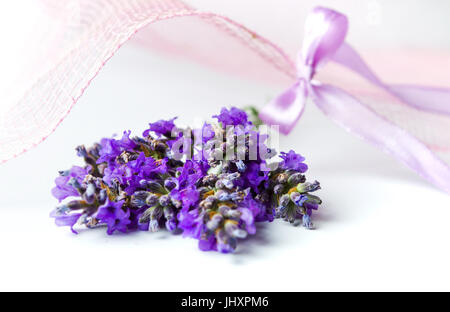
[241, 166]
[125, 142]
[232, 117]
[310, 207]
[207, 243]
[112, 214]
[148, 167]
[202, 137]
[226, 242]
[154, 225]
[138, 183]
[189, 196]
[191, 223]
[111, 148]
[161, 127]
[65, 219]
[306, 220]
[135, 215]
[204, 134]
[248, 218]
[293, 161]
[112, 172]
[191, 173]
[308, 187]
[133, 172]
[254, 176]
[63, 188]
[298, 199]
[170, 183]
[171, 225]
[252, 208]
[222, 228]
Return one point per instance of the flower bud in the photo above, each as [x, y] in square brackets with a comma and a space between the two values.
[76, 185]
[210, 179]
[171, 225]
[151, 200]
[138, 198]
[64, 173]
[281, 210]
[89, 194]
[170, 184]
[236, 196]
[153, 225]
[202, 190]
[308, 187]
[157, 212]
[102, 195]
[75, 205]
[295, 196]
[278, 189]
[155, 187]
[223, 195]
[204, 204]
[214, 223]
[233, 214]
[164, 200]
[223, 210]
[306, 220]
[233, 176]
[62, 210]
[225, 243]
[228, 183]
[81, 151]
[160, 147]
[176, 203]
[234, 231]
[284, 200]
[241, 167]
[282, 178]
[169, 213]
[145, 217]
[219, 184]
[296, 178]
[314, 199]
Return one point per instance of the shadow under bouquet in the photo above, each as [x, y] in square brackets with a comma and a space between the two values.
[211, 183]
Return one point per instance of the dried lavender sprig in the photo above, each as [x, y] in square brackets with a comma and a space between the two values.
[136, 183]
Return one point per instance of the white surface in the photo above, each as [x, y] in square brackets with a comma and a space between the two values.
[380, 228]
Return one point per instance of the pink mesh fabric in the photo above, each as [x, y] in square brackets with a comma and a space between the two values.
[84, 34]
[77, 46]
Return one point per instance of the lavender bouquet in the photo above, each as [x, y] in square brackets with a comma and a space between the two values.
[211, 183]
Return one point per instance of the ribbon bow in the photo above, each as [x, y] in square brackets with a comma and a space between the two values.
[325, 32]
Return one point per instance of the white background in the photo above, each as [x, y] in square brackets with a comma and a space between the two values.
[381, 227]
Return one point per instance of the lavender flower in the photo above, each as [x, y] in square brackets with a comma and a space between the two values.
[293, 161]
[232, 117]
[161, 127]
[136, 183]
[65, 219]
[63, 188]
[114, 216]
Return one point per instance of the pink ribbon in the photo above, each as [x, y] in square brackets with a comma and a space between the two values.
[325, 32]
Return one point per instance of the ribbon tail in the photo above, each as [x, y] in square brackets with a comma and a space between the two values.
[436, 100]
[364, 122]
[285, 110]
